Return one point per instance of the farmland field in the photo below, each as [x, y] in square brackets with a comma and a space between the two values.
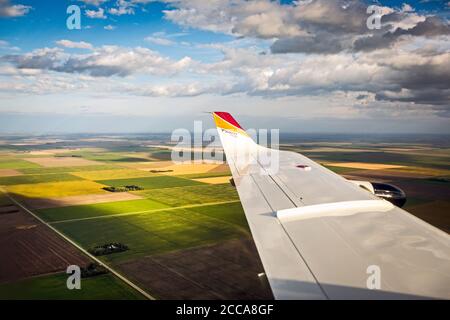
[181, 196]
[112, 174]
[53, 287]
[231, 213]
[41, 178]
[171, 169]
[56, 189]
[105, 156]
[40, 170]
[210, 174]
[52, 162]
[215, 180]
[17, 164]
[98, 210]
[150, 233]
[157, 182]
[186, 233]
[28, 248]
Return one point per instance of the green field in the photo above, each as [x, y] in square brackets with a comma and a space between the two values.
[17, 164]
[181, 196]
[177, 213]
[113, 174]
[150, 233]
[103, 156]
[40, 178]
[36, 170]
[339, 170]
[53, 287]
[231, 213]
[4, 200]
[151, 182]
[205, 175]
[162, 155]
[170, 216]
[98, 210]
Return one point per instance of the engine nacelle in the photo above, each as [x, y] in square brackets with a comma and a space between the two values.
[386, 191]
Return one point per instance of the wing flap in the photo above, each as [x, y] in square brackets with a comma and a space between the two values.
[340, 249]
[284, 266]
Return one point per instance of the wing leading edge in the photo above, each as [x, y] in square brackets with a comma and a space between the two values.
[320, 236]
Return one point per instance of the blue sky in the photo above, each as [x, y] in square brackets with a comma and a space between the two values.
[315, 61]
[47, 23]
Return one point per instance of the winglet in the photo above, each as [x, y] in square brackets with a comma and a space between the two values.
[225, 121]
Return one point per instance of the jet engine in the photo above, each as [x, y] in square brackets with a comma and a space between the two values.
[386, 191]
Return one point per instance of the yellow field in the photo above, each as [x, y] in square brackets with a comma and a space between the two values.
[112, 174]
[178, 169]
[215, 180]
[40, 203]
[51, 152]
[425, 171]
[365, 166]
[147, 165]
[56, 189]
[331, 149]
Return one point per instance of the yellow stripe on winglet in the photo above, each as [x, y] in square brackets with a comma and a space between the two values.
[222, 124]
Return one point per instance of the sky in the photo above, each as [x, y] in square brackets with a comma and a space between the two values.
[154, 66]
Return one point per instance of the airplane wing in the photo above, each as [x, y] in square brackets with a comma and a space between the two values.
[320, 236]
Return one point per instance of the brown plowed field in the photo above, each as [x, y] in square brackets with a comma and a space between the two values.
[228, 270]
[41, 203]
[29, 248]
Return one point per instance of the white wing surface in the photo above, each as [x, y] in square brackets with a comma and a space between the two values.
[320, 236]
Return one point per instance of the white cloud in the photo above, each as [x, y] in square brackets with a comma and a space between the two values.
[74, 44]
[94, 2]
[123, 7]
[160, 41]
[8, 10]
[192, 89]
[407, 8]
[314, 26]
[96, 14]
[5, 45]
[121, 11]
[109, 27]
[405, 67]
[392, 74]
[105, 61]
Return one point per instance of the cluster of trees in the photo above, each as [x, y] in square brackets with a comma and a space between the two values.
[160, 171]
[92, 270]
[108, 249]
[123, 188]
[68, 156]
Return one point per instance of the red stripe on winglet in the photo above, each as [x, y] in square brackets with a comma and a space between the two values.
[228, 118]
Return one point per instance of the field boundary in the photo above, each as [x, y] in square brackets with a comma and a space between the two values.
[110, 269]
